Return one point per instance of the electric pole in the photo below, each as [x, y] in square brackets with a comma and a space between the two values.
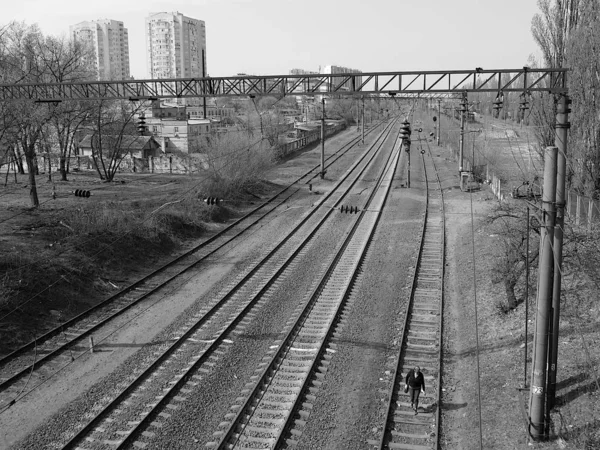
[463, 109]
[357, 115]
[203, 76]
[363, 122]
[323, 137]
[562, 125]
[439, 130]
[537, 399]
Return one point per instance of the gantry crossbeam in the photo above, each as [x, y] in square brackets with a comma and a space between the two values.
[421, 83]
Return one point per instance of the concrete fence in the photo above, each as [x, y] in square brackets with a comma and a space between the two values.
[582, 211]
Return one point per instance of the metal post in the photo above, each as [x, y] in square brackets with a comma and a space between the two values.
[203, 76]
[357, 115]
[526, 299]
[544, 299]
[462, 140]
[562, 125]
[439, 129]
[323, 138]
[408, 165]
[363, 122]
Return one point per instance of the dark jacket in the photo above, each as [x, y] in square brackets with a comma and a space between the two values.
[415, 381]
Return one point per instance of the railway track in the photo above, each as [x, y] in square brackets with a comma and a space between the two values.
[272, 409]
[26, 368]
[123, 417]
[405, 428]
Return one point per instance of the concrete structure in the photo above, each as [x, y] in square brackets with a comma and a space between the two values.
[302, 72]
[174, 45]
[178, 134]
[135, 146]
[174, 111]
[341, 70]
[109, 41]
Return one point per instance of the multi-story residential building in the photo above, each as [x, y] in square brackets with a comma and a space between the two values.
[174, 131]
[342, 70]
[109, 46]
[176, 46]
[302, 72]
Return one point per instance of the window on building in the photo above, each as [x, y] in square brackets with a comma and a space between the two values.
[176, 128]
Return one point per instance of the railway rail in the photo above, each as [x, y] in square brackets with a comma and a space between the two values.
[272, 409]
[151, 391]
[29, 366]
[405, 428]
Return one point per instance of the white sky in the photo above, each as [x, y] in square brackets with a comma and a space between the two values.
[270, 37]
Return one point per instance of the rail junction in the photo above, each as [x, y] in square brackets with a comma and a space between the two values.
[274, 404]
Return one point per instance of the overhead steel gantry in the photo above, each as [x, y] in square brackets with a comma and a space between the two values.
[417, 83]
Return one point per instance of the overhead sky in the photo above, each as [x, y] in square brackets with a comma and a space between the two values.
[270, 37]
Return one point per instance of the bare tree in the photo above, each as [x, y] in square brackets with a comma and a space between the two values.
[65, 60]
[113, 135]
[583, 57]
[510, 267]
[551, 28]
[22, 65]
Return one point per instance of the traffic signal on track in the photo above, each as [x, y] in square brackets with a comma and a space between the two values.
[81, 193]
[349, 209]
[405, 130]
[498, 104]
[141, 125]
[405, 134]
[212, 200]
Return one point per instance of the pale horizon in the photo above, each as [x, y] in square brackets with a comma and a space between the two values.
[271, 37]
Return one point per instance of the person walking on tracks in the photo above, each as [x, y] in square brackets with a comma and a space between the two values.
[415, 381]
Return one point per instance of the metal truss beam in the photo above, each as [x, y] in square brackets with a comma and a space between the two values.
[420, 83]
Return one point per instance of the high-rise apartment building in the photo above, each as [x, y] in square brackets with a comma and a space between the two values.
[333, 70]
[175, 45]
[109, 42]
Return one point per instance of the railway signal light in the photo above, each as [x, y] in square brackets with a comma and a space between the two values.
[212, 200]
[434, 118]
[349, 209]
[498, 104]
[82, 193]
[141, 126]
[523, 105]
[405, 130]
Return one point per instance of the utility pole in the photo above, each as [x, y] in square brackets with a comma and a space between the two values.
[526, 300]
[204, 76]
[363, 122]
[357, 115]
[537, 398]
[323, 137]
[462, 110]
[562, 125]
[439, 129]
